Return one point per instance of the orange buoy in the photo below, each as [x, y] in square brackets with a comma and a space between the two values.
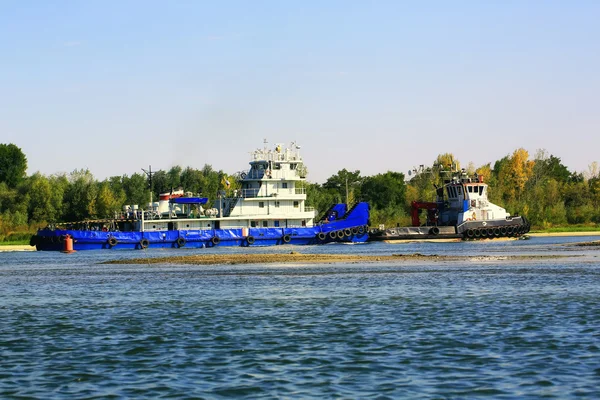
[68, 244]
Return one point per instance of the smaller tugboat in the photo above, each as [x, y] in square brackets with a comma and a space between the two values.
[461, 210]
[269, 209]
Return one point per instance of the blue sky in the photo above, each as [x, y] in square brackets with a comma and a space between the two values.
[367, 85]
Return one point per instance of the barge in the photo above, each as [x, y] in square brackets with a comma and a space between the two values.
[268, 209]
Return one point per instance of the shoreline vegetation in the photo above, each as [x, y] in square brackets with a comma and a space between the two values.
[541, 188]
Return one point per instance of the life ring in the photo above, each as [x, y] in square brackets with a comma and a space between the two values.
[215, 240]
[490, 232]
[144, 243]
[286, 238]
[361, 230]
[347, 232]
[355, 231]
[112, 241]
[180, 242]
[340, 234]
[435, 230]
[250, 239]
[477, 233]
[321, 236]
[332, 234]
[503, 231]
[470, 233]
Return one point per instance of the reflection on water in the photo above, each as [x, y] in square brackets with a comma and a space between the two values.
[531, 328]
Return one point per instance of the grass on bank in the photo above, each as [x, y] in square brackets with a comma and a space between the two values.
[15, 238]
[567, 229]
[15, 243]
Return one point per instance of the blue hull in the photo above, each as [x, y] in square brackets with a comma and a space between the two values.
[351, 229]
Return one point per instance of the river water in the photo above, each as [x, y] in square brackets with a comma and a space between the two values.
[479, 328]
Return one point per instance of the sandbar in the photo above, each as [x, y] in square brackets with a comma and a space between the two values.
[16, 247]
[294, 257]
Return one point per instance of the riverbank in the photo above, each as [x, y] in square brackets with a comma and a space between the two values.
[548, 234]
[16, 247]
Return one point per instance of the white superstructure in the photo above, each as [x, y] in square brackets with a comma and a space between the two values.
[272, 195]
[468, 201]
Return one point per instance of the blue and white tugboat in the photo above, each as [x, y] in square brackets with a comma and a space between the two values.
[461, 210]
[269, 209]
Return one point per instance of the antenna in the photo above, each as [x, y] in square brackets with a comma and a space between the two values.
[149, 173]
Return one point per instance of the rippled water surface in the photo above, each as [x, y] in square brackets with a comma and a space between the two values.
[73, 328]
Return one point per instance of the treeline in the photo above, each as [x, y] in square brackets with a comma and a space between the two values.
[542, 188]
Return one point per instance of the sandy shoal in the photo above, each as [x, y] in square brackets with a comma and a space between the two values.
[546, 234]
[216, 259]
[17, 247]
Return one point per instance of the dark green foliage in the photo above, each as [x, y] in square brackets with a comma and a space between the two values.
[136, 189]
[13, 165]
[384, 190]
[346, 184]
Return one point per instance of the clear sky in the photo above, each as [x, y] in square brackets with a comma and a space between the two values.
[115, 86]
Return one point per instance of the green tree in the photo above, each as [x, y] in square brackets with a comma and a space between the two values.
[320, 198]
[13, 165]
[80, 196]
[192, 180]
[137, 190]
[174, 177]
[40, 207]
[107, 201]
[384, 190]
[346, 184]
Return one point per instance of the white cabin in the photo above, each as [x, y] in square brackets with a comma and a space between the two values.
[468, 200]
[272, 195]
